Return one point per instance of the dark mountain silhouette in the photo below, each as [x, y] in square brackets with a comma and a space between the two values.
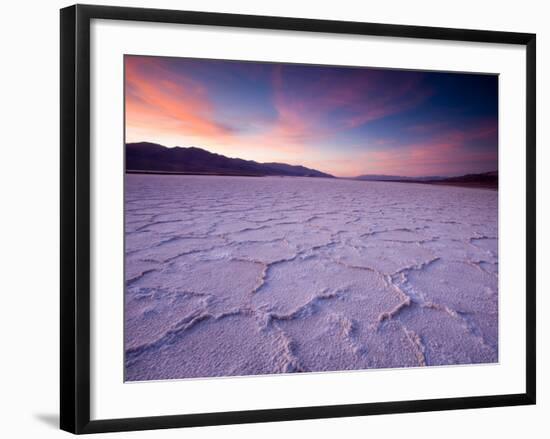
[377, 177]
[485, 179]
[145, 157]
[486, 176]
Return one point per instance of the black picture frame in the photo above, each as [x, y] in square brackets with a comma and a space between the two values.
[75, 217]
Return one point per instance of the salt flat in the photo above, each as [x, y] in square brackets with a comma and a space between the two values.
[260, 275]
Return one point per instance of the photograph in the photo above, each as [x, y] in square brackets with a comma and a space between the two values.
[299, 218]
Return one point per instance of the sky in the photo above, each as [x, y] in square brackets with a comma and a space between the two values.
[346, 121]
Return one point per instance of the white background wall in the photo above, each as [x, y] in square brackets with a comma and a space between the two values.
[29, 248]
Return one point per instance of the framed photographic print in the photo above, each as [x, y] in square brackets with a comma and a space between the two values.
[267, 218]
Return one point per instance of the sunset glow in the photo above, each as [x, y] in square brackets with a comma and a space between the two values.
[340, 120]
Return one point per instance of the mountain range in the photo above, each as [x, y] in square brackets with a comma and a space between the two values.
[146, 157]
[381, 177]
[485, 179]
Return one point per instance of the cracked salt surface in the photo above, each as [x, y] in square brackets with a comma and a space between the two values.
[247, 276]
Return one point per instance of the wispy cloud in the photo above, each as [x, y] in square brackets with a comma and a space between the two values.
[447, 151]
[329, 105]
[159, 100]
[378, 104]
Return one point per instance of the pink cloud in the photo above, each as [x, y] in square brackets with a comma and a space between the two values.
[160, 102]
[297, 120]
[359, 98]
[445, 152]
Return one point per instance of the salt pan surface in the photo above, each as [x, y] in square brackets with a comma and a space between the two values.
[246, 275]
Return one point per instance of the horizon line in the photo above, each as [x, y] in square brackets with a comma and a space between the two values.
[315, 169]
